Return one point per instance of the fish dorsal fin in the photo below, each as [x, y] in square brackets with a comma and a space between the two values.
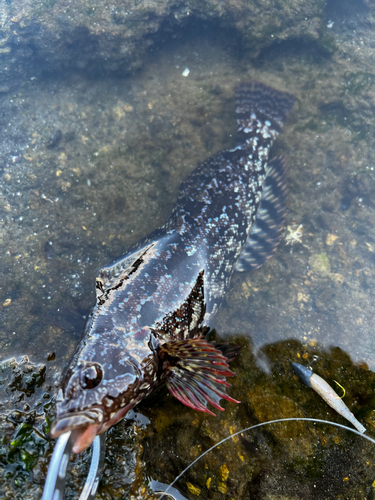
[185, 321]
[265, 233]
[195, 373]
[112, 276]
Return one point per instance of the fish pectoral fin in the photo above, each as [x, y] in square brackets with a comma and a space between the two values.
[265, 234]
[195, 373]
[230, 351]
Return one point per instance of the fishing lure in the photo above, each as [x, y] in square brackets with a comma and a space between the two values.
[155, 304]
[326, 392]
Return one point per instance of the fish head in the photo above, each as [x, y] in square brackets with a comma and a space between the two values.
[97, 394]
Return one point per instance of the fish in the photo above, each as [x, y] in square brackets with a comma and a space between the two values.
[155, 304]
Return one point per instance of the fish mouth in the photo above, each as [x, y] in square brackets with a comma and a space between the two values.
[86, 427]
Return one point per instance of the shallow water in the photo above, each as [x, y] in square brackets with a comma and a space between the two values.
[91, 165]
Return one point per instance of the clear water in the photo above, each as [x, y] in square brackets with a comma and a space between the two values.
[91, 165]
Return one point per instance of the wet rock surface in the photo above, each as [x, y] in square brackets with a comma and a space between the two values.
[25, 410]
[89, 165]
[52, 35]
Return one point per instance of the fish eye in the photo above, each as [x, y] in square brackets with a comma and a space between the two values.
[91, 376]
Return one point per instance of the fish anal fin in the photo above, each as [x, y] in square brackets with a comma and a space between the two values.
[195, 373]
[265, 234]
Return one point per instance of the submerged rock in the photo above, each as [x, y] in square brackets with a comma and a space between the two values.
[25, 403]
[53, 35]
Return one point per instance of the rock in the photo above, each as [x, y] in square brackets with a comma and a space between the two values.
[114, 36]
[320, 264]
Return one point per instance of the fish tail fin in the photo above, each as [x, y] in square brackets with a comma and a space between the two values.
[261, 110]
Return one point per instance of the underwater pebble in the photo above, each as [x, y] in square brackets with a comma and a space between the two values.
[193, 489]
[224, 472]
[320, 264]
[222, 488]
[331, 238]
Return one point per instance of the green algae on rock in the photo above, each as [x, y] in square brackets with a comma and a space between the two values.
[320, 264]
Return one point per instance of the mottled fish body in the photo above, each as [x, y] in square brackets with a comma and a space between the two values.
[154, 303]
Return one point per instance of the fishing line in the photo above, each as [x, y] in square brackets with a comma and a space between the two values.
[291, 419]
